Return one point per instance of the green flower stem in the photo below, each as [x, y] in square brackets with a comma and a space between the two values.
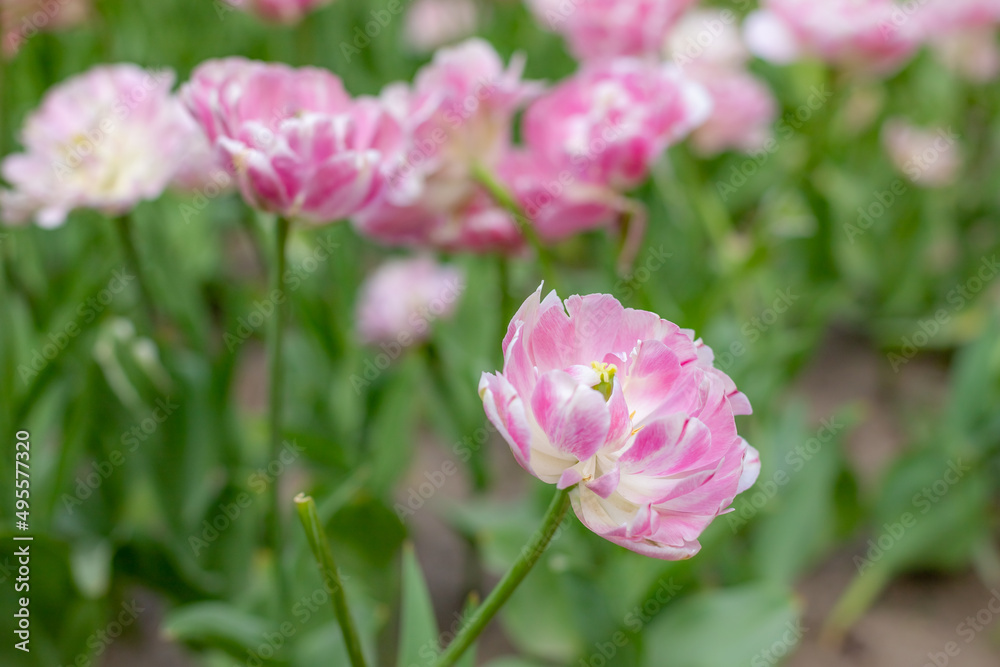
[276, 395]
[320, 546]
[124, 226]
[439, 376]
[530, 554]
[507, 202]
[507, 304]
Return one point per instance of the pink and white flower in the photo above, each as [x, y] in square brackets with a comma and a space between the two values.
[707, 45]
[743, 111]
[279, 11]
[962, 33]
[458, 116]
[298, 144]
[869, 35]
[627, 409]
[595, 136]
[431, 24]
[105, 139]
[398, 302]
[23, 18]
[602, 29]
[928, 157]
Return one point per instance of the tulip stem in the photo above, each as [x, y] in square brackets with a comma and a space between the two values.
[320, 547]
[276, 401]
[530, 554]
[124, 227]
[508, 203]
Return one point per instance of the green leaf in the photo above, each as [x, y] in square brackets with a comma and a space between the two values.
[218, 625]
[418, 634]
[736, 626]
[468, 658]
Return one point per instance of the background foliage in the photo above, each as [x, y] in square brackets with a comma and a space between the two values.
[781, 228]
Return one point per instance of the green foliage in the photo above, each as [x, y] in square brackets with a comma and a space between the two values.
[123, 500]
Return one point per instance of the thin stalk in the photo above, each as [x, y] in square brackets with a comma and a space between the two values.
[320, 547]
[276, 395]
[530, 554]
[124, 226]
[477, 458]
[508, 203]
[4, 86]
[507, 304]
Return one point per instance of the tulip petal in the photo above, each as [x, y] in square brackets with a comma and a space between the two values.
[574, 417]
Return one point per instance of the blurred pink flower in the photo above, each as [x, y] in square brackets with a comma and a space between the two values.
[743, 110]
[630, 408]
[595, 136]
[601, 29]
[298, 144]
[202, 166]
[279, 11]
[707, 37]
[972, 54]
[431, 24]
[23, 19]
[869, 35]
[708, 46]
[928, 157]
[105, 139]
[398, 302]
[962, 33]
[458, 116]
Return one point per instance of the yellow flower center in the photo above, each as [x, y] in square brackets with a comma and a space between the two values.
[605, 375]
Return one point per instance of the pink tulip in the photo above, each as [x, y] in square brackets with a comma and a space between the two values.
[458, 116]
[24, 18]
[628, 408]
[707, 45]
[475, 225]
[869, 35]
[601, 29]
[202, 167]
[971, 54]
[403, 297]
[707, 37]
[105, 139]
[962, 33]
[279, 11]
[431, 24]
[595, 136]
[928, 157]
[743, 110]
[298, 144]
[555, 200]
[615, 119]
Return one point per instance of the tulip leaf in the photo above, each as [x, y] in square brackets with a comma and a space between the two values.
[759, 622]
[418, 634]
[218, 625]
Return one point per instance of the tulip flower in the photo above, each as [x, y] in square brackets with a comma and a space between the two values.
[431, 24]
[928, 157]
[628, 411]
[709, 49]
[458, 116]
[298, 144]
[595, 136]
[600, 29]
[279, 11]
[22, 19]
[105, 140]
[962, 33]
[870, 35]
[399, 301]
